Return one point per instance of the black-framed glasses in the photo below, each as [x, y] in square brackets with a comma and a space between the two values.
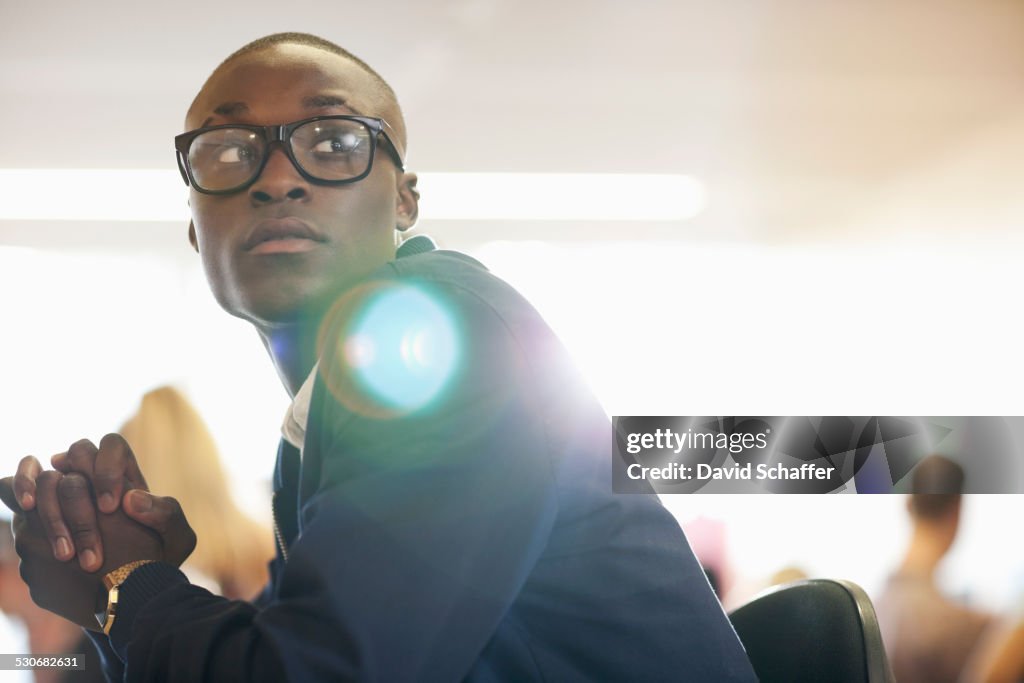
[329, 150]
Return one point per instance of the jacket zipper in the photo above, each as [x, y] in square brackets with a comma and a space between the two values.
[277, 528]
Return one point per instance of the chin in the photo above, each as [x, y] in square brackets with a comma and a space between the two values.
[281, 307]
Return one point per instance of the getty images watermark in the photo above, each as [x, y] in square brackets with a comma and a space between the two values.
[831, 454]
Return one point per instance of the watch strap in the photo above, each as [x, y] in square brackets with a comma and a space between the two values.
[112, 582]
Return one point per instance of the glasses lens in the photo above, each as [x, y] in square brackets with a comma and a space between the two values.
[333, 149]
[225, 158]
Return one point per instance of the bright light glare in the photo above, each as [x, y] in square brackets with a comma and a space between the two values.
[404, 348]
[160, 195]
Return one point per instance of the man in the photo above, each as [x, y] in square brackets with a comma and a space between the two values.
[443, 491]
[927, 636]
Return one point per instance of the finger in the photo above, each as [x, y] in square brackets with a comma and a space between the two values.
[48, 505]
[7, 494]
[25, 481]
[165, 516]
[116, 469]
[81, 455]
[60, 462]
[80, 516]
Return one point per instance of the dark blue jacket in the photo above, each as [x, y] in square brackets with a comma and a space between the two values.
[472, 535]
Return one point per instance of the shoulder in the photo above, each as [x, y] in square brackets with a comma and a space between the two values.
[461, 276]
[483, 297]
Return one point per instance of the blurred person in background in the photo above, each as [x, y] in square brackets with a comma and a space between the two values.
[174, 448]
[1000, 656]
[929, 637]
[47, 633]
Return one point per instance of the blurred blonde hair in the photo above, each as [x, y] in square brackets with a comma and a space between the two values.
[178, 458]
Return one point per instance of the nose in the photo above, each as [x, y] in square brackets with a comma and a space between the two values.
[279, 180]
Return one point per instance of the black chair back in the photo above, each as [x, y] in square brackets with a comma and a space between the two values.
[813, 630]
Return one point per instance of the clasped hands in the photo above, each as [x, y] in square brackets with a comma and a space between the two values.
[93, 507]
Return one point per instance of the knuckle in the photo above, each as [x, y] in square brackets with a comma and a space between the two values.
[112, 440]
[81, 447]
[73, 486]
[173, 507]
[28, 462]
[81, 454]
[82, 529]
[53, 522]
[105, 478]
[36, 592]
[48, 478]
[23, 482]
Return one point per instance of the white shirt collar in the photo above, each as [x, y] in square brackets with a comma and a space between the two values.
[294, 427]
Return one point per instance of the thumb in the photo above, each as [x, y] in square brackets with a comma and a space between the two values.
[139, 506]
[163, 515]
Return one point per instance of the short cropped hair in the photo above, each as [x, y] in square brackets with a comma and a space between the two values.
[308, 40]
[936, 487]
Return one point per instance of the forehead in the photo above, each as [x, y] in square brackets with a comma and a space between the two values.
[274, 84]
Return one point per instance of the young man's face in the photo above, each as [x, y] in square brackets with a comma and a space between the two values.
[352, 225]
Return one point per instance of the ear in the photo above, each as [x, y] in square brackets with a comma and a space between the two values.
[192, 236]
[407, 202]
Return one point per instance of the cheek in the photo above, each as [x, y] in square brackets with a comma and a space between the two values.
[365, 213]
[212, 222]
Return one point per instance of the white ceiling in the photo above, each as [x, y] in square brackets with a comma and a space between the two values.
[807, 120]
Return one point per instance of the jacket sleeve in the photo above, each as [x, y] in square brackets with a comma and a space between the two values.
[110, 664]
[419, 526]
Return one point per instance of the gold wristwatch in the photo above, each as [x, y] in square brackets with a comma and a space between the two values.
[113, 581]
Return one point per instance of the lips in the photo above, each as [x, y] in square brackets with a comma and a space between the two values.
[282, 235]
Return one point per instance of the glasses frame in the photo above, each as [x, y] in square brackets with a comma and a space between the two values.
[282, 135]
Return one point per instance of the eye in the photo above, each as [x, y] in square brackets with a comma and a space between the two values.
[235, 154]
[342, 143]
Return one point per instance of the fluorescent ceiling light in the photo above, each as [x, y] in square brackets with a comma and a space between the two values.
[159, 195]
[57, 194]
[560, 196]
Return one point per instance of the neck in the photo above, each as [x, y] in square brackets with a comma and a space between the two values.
[927, 548]
[292, 348]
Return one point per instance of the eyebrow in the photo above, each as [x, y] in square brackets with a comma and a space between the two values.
[227, 109]
[313, 102]
[320, 101]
